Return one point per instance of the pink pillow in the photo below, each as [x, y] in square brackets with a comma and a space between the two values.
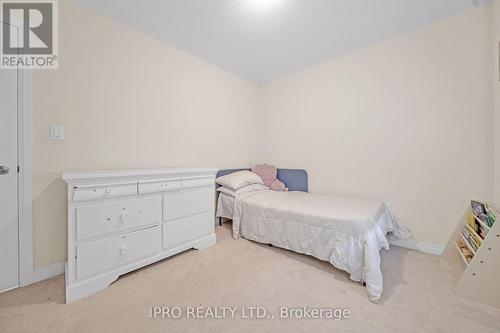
[268, 173]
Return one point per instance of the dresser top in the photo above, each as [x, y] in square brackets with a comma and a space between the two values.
[73, 176]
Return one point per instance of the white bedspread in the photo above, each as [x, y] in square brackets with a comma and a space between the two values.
[345, 231]
[225, 206]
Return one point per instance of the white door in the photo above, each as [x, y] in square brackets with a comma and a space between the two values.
[9, 224]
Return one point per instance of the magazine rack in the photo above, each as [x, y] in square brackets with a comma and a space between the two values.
[482, 273]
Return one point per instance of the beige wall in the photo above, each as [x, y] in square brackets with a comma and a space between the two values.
[496, 94]
[407, 120]
[129, 101]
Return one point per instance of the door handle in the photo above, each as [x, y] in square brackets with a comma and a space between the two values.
[4, 170]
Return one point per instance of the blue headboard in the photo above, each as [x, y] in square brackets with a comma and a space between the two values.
[294, 179]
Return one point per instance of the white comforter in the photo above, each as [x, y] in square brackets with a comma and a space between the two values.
[347, 232]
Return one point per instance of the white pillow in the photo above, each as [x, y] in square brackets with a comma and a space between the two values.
[239, 179]
[244, 189]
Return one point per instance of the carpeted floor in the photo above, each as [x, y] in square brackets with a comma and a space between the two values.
[418, 296]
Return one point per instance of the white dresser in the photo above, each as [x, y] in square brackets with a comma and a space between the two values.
[119, 221]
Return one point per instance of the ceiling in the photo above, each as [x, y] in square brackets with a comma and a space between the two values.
[263, 40]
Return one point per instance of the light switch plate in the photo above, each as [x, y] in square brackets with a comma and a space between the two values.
[56, 132]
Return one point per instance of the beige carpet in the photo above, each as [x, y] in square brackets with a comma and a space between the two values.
[418, 295]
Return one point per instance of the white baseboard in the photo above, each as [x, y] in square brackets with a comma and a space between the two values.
[415, 244]
[48, 272]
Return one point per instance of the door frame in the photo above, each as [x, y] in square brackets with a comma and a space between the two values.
[25, 175]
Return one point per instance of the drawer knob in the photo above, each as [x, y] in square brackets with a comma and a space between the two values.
[124, 216]
[124, 250]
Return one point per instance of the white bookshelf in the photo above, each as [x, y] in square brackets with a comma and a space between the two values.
[467, 244]
[482, 274]
[481, 223]
[461, 254]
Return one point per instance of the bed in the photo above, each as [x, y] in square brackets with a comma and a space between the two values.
[348, 232]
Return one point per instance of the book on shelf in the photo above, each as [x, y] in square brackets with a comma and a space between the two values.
[471, 240]
[466, 253]
[473, 234]
[473, 224]
[491, 216]
[477, 207]
[487, 214]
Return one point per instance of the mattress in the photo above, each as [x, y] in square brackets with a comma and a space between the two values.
[348, 232]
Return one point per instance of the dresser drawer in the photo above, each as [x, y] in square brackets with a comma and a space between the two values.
[94, 192]
[188, 183]
[189, 228]
[187, 203]
[98, 256]
[156, 186]
[105, 218]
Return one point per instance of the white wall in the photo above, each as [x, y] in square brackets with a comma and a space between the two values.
[407, 121]
[496, 93]
[129, 101]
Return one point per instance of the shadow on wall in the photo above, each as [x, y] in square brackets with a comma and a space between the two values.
[49, 221]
